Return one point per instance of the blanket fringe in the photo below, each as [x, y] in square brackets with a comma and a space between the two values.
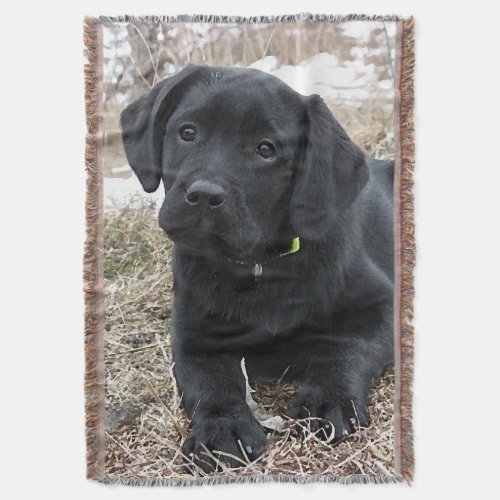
[408, 249]
[282, 478]
[210, 18]
[92, 259]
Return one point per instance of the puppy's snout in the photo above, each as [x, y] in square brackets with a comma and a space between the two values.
[205, 193]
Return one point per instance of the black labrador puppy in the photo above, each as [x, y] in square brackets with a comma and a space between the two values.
[283, 250]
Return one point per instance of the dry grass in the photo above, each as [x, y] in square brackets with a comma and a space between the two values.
[145, 420]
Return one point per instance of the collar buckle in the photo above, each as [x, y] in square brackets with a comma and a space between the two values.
[257, 271]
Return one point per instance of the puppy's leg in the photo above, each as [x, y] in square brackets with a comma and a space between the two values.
[214, 395]
[342, 370]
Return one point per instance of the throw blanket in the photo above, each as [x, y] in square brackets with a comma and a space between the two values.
[249, 255]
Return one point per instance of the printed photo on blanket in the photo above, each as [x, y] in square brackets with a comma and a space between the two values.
[249, 253]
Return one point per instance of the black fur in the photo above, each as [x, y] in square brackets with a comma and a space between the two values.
[325, 311]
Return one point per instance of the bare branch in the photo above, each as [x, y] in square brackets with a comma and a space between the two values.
[149, 52]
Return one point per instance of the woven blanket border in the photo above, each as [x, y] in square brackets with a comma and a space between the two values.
[210, 18]
[92, 265]
[407, 249]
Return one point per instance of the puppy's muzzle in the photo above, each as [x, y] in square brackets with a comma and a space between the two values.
[205, 194]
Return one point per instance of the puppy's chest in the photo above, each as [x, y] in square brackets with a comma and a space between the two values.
[272, 302]
[267, 308]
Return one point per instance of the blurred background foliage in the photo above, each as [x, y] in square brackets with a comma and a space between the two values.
[350, 64]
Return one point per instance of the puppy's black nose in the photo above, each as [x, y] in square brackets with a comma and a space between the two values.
[205, 193]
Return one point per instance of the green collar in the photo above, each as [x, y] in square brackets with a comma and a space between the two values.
[257, 266]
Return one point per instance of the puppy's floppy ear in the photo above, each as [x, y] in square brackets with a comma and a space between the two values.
[143, 123]
[331, 176]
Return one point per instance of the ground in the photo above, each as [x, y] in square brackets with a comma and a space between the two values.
[145, 422]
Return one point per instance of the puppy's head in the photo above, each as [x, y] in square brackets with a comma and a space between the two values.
[246, 162]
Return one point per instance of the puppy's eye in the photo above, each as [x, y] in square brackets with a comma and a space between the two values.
[266, 150]
[187, 133]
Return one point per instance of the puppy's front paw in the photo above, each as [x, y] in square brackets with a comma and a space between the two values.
[216, 439]
[331, 416]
